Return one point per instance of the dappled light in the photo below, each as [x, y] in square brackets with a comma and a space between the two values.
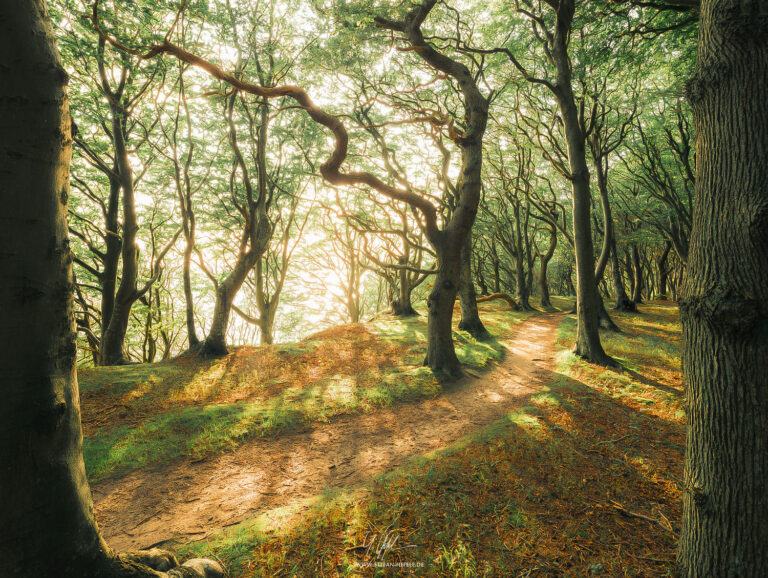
[383, 288]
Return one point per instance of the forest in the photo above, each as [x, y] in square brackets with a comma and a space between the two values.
[383, 288]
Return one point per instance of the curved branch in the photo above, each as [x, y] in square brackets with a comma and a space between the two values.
[330, 169]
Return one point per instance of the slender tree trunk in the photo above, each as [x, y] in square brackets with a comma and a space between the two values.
[112, 350]
[724, 302]
[258, 230]
[601, 168]
[189, 303]
[544, 259]
[215, 343]
[523, 296]
[637, 287]
[112, 253]
[664, 271]
[470, 317]
[588, 343]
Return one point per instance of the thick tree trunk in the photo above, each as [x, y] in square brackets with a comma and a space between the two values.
[402, 307]
[441, 354]
[47, 527]
[470, 317]
[46, 524]
[724, 302]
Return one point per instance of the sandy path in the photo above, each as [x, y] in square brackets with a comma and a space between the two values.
[189, 500]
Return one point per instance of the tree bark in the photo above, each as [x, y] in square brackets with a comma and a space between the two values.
[663, 271]
[637, 287]
[402, 307]
[470, 317]
[588, 343]
[724, 301]
[623, 302]
[47, 528]
[441, 354]
[256, 236]
[523, 295]
[544, 259]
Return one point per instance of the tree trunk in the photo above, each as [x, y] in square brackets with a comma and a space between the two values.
[588, 343]
[441, 354]
[215, 343]
[623, 302]
[402, 307]
[637, 287]
[112, 350]
[470, 317]
[663, 272]
[189, 303]
[47, 528]
[609, 239]
[724, 302]
[496, 276]
[113, 242]
[544, 259]
[523, 296]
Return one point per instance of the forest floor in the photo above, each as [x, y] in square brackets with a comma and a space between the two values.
[539, 464]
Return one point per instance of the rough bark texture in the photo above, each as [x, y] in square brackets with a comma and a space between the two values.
[47, 527]
[724, 302]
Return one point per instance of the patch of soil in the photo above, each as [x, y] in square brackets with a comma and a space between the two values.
[189, 500]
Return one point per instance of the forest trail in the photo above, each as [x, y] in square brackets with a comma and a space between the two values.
[189, 500]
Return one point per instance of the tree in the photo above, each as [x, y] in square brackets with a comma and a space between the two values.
[48, 527]
[724, 304]
[449, 241]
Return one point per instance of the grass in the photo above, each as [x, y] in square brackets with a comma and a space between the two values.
[146, 415]
[555, 488]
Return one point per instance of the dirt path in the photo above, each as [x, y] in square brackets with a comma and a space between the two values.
[189, 500]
